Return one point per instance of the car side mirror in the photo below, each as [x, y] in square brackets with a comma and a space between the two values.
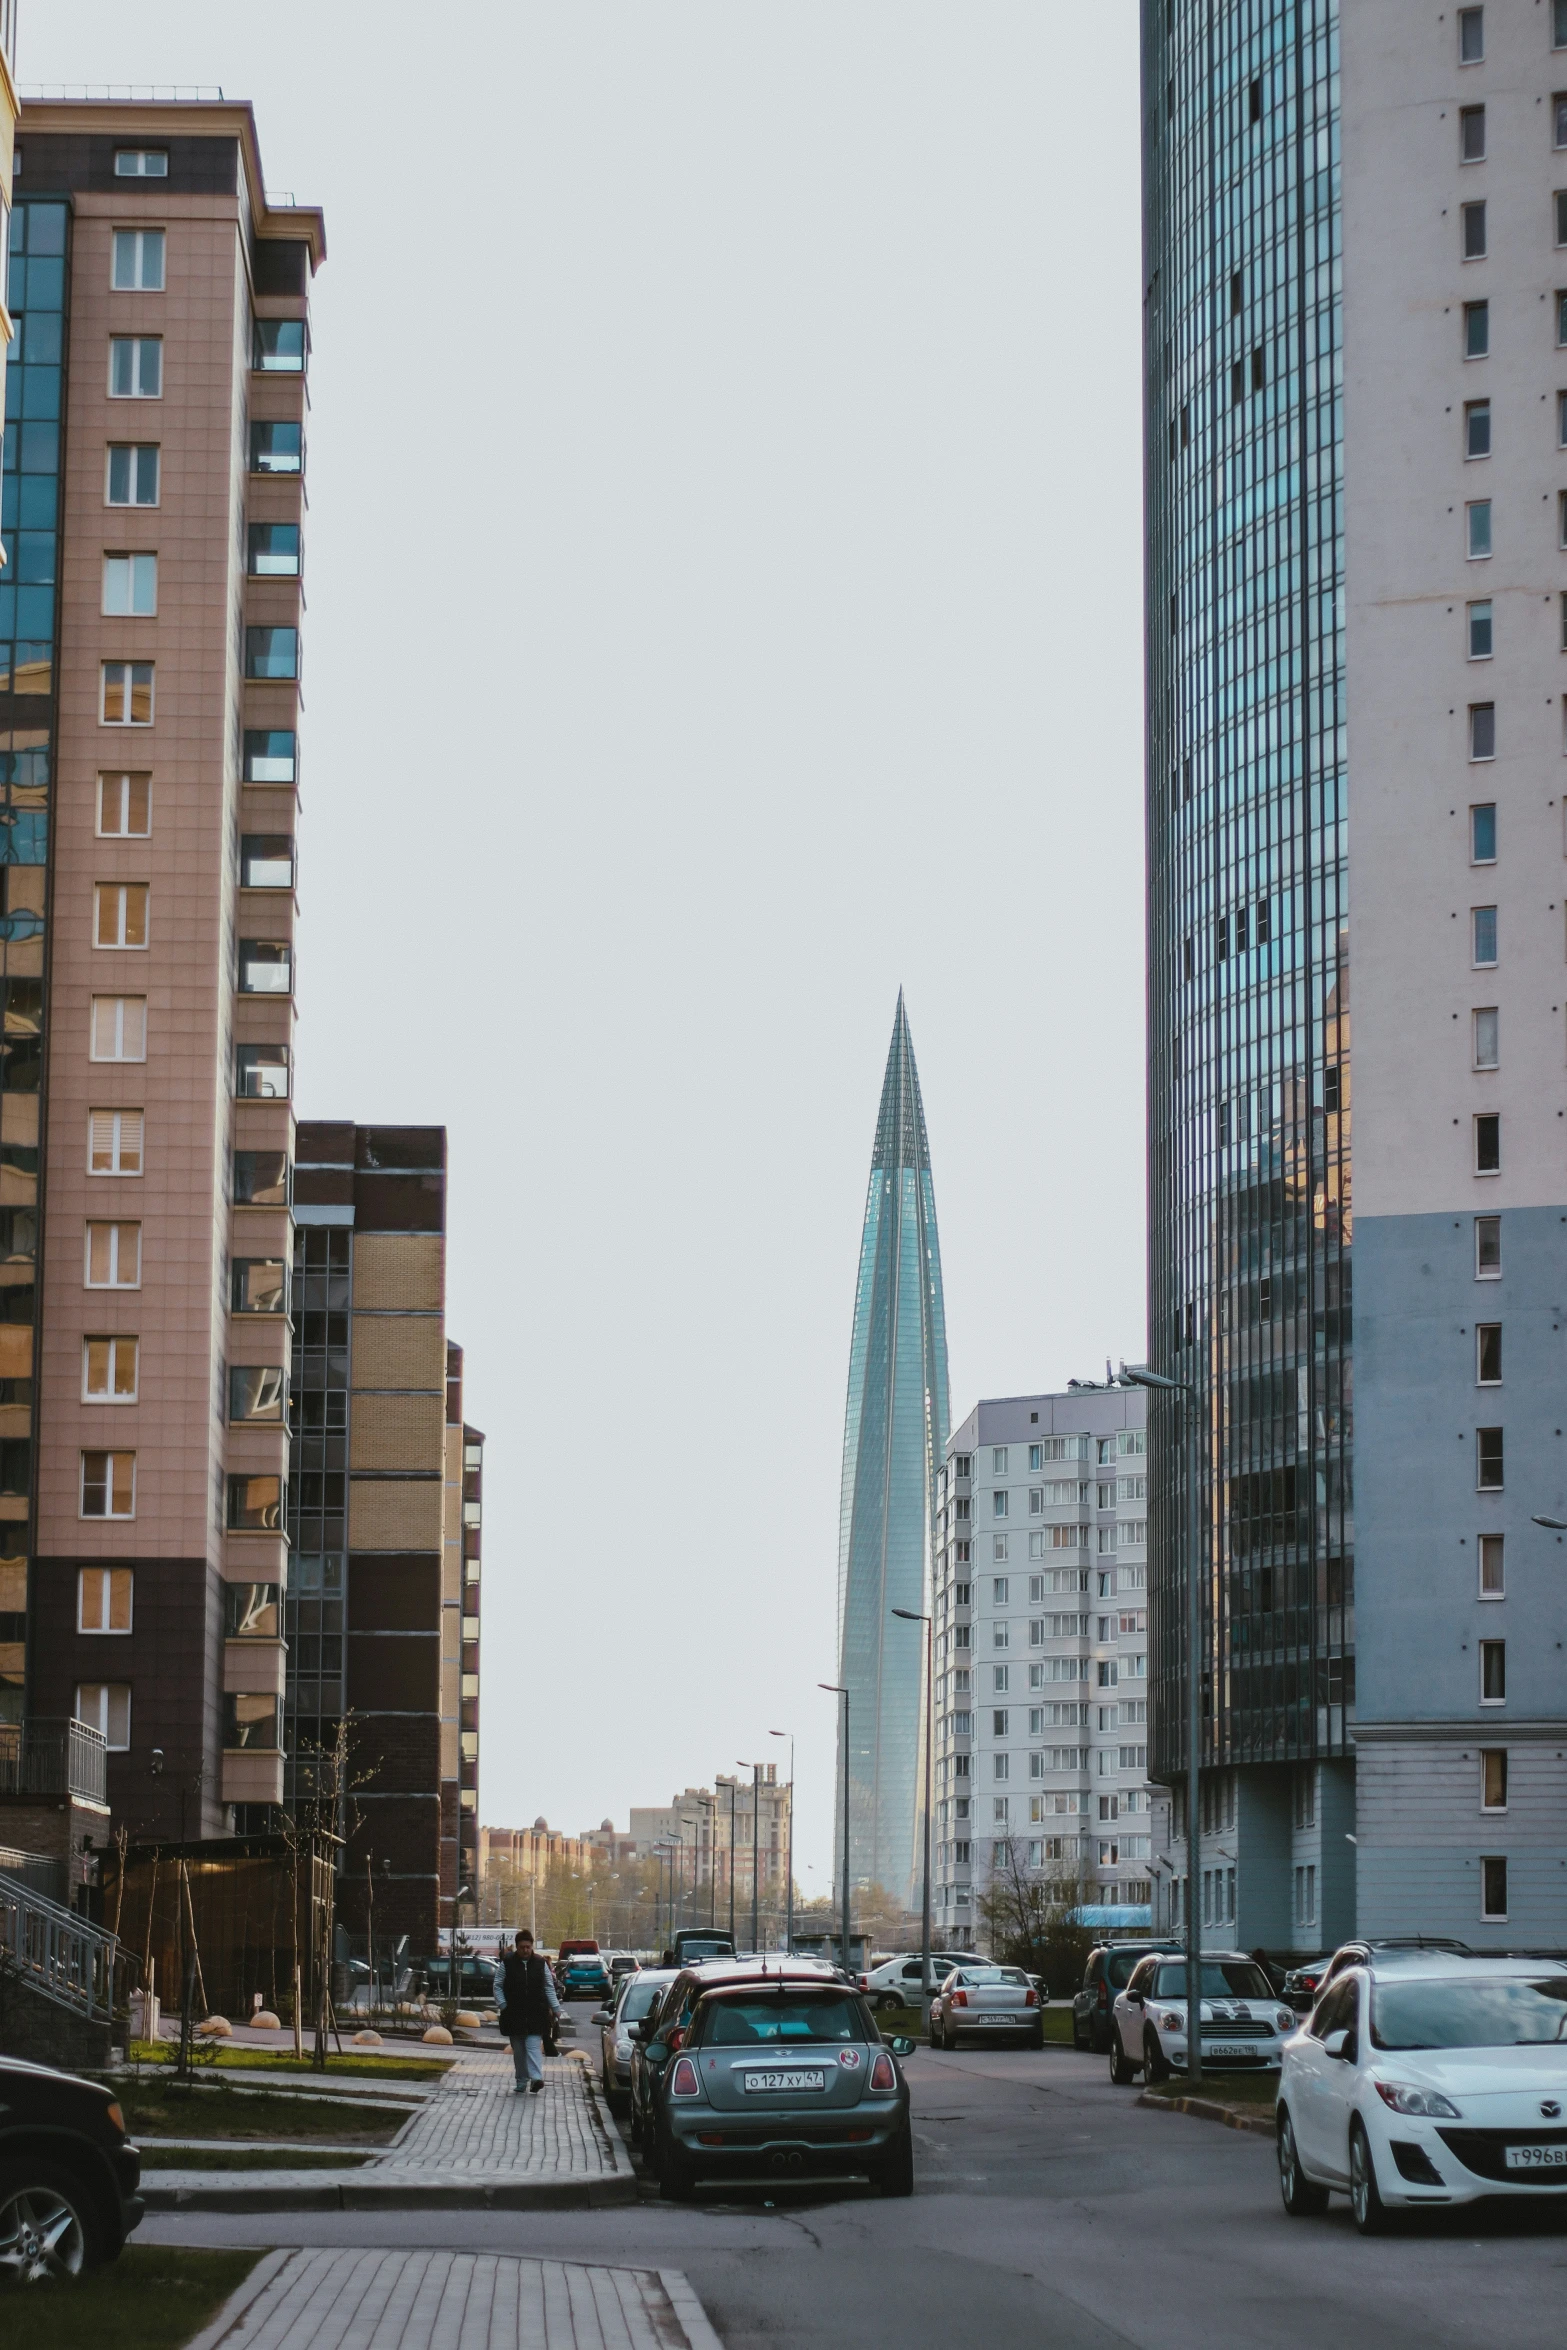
[633, 2031]
[1337, 2044]
[902, 2045]
[599, 2016]
[1134, 1999]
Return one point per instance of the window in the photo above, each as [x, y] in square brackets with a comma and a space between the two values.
[252, 1611]
[252, 1723]
[1482, 936]
[266, 966]
[1559, 24]
[1493, 1778]
[118, 1028]
[1036, 1502]
[113, 1258]
[274, 550]
[998, 1546]
[277, 448]
[1000, 1635]
[109, 1367]
[1478, 517]
[257, 1394]
[1472, 217]
[1488, 1354]
[1480, 631]
[1488, 1248]
[1559, 206]
[1477, 428]
[1477, 330]
[135, 367]
[105, 1706]
[1492, 1583]
[127, 693]
[998, 1725]
[270, 755]
[259, 1285]
[1482, 834]
[255, 1505]
[998, 1460]
[1487, 1038]
[1471, 45]
[1559, 119]
[1562, 600]
[108, 1485]
[261, 1072]
[1561, 420]
[1488, 1460]
[132, 474]
[1493, 1672]
[1488, 1144]
[272, 652]
[1471, 140]
[125, 806]
[1036, 1457]
[261, 1179]
[1482, 730]
[114, 1142]
[103, 1599]
[138, 261]
[130, 585]
[1561, 317]
[266, 860]
[1000, 1586]
[1001, 1764]
[141, 163]
[278, 347]
[120, 914]
[1493, 1886]
[1001, 1678]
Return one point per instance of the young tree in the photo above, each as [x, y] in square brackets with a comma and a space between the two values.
[1028, 1915]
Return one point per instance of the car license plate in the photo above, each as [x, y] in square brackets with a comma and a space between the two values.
[762, 2082]
[1224, 2049]
[1535, 2158]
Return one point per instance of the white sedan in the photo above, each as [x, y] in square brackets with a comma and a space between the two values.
[1434, 2082]
[1244, 2022]
[896, 1982]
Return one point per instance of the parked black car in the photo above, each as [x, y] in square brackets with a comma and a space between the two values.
[68, 2174]
[1108, 1971]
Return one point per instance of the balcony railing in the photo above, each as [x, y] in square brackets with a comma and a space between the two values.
[54, 1758]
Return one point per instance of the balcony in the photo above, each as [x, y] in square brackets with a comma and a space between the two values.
[54, 1758]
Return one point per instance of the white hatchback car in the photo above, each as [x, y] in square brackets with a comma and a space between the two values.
[1432, 2080]
[1244, 2022]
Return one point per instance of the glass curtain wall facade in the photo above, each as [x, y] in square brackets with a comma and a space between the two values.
[1249, 1084]
[895, 1432]
[29, 587]
[317, 1499]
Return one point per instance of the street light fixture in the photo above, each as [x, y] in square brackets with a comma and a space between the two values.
[836, 1689]
[1139, 1375]
[1555, 1525]
[913, 1616]
[789, 1860]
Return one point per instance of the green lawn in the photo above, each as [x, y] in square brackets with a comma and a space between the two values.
[151, 2298]
[1247, 2092]
[277, 2060]
[247, 2158]
[162, 2109]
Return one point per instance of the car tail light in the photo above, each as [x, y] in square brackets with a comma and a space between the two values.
[884, 2072]
[1104, 1993]
[1032, 1998]
[865, 1982]
[683, 2081]
[957, 1999]
[676, 2039]
[115, 2118]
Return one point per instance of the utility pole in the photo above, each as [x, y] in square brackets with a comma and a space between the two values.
[732, 1786]
[755, 1770]
[910, 1616]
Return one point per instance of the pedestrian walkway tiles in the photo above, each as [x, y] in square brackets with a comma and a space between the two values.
[478, 2123]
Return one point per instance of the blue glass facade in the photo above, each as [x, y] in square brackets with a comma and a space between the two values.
[895, 1432]
[1249, 1083]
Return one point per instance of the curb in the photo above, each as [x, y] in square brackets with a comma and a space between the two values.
[1204, 2109]
[355, 2192]
[693, 2318]
[240, 2300]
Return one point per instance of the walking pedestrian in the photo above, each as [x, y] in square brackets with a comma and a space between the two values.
[528, 1998]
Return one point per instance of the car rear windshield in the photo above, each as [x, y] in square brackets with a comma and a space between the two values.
[763, 2021]
[637, 1999]
[1221, 1979]
[1492, 2013]
[992, 1974]
[1119, 1965]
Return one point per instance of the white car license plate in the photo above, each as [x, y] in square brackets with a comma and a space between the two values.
[1229, 2048]
[1535, 2158]
[763, 2082]
[996, 2019]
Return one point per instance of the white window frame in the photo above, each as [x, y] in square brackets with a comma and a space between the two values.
[136, 344]
[104, 1709]
[124, 674]
[116, 1225]
[120, 891]
[120, 1137]
[139, 450]
[140, 160]
[104, 1631]
[109, 1018]
[146, 251]
[123, 778]
[114, 1342]
[109, 1516]
[137, 571]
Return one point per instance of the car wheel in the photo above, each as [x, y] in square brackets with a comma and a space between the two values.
[1369, 2211]
[948, 2039]
[888, 2003]
[1154, 2066]
[676, 2178]
[49, 2229]
[634, 2128]
[896, 2176]
[1301, 2198]
[1122, 2071]
[1036, 2040]
[1079, 2036]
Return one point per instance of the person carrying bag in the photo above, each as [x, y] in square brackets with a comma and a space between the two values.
[528, 1999]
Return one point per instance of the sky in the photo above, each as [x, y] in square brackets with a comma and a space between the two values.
[723, 573]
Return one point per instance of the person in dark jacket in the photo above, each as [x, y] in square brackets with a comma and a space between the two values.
[528, 1997]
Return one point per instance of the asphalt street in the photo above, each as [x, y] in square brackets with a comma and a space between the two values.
[1051, 2212]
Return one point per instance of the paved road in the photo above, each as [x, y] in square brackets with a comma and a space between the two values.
[1052, 2213]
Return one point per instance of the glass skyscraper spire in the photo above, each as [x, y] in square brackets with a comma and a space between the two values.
[895, 1429]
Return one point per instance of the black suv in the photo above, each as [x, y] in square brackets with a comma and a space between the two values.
[68, 2174]
[1108, 1971]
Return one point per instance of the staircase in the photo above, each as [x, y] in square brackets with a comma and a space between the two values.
[57, 1979]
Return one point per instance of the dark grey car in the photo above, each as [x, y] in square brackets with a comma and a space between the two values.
[783, 2076]
[634, 1999]
[1108, 1972]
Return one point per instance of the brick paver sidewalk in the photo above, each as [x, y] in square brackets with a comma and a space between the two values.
[479, 2123]
[347, 2300]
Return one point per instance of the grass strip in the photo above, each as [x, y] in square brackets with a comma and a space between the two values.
[276, 2060]
[1245, 2092]
[167, 2109]
[152, 2298]
[248, 2158]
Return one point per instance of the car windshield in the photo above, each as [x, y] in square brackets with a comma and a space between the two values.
[749, 2023]
[638, 1998]
[992, 1974]
[1492, 2013]
[1225, 1978]
[1119, 1965]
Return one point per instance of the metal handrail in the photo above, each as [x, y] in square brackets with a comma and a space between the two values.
[54, 1758]
[64, 1956]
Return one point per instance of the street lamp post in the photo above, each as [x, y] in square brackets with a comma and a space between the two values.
[836, 1689]
[912, 1616]
[789, 1860]
[732, 1787]
[1138, 1375]
[755, 1770]
[709, 1804]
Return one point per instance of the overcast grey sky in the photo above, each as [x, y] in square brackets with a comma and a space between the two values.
[723, 566]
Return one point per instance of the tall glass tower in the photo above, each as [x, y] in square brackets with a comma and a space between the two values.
[895, 1430]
